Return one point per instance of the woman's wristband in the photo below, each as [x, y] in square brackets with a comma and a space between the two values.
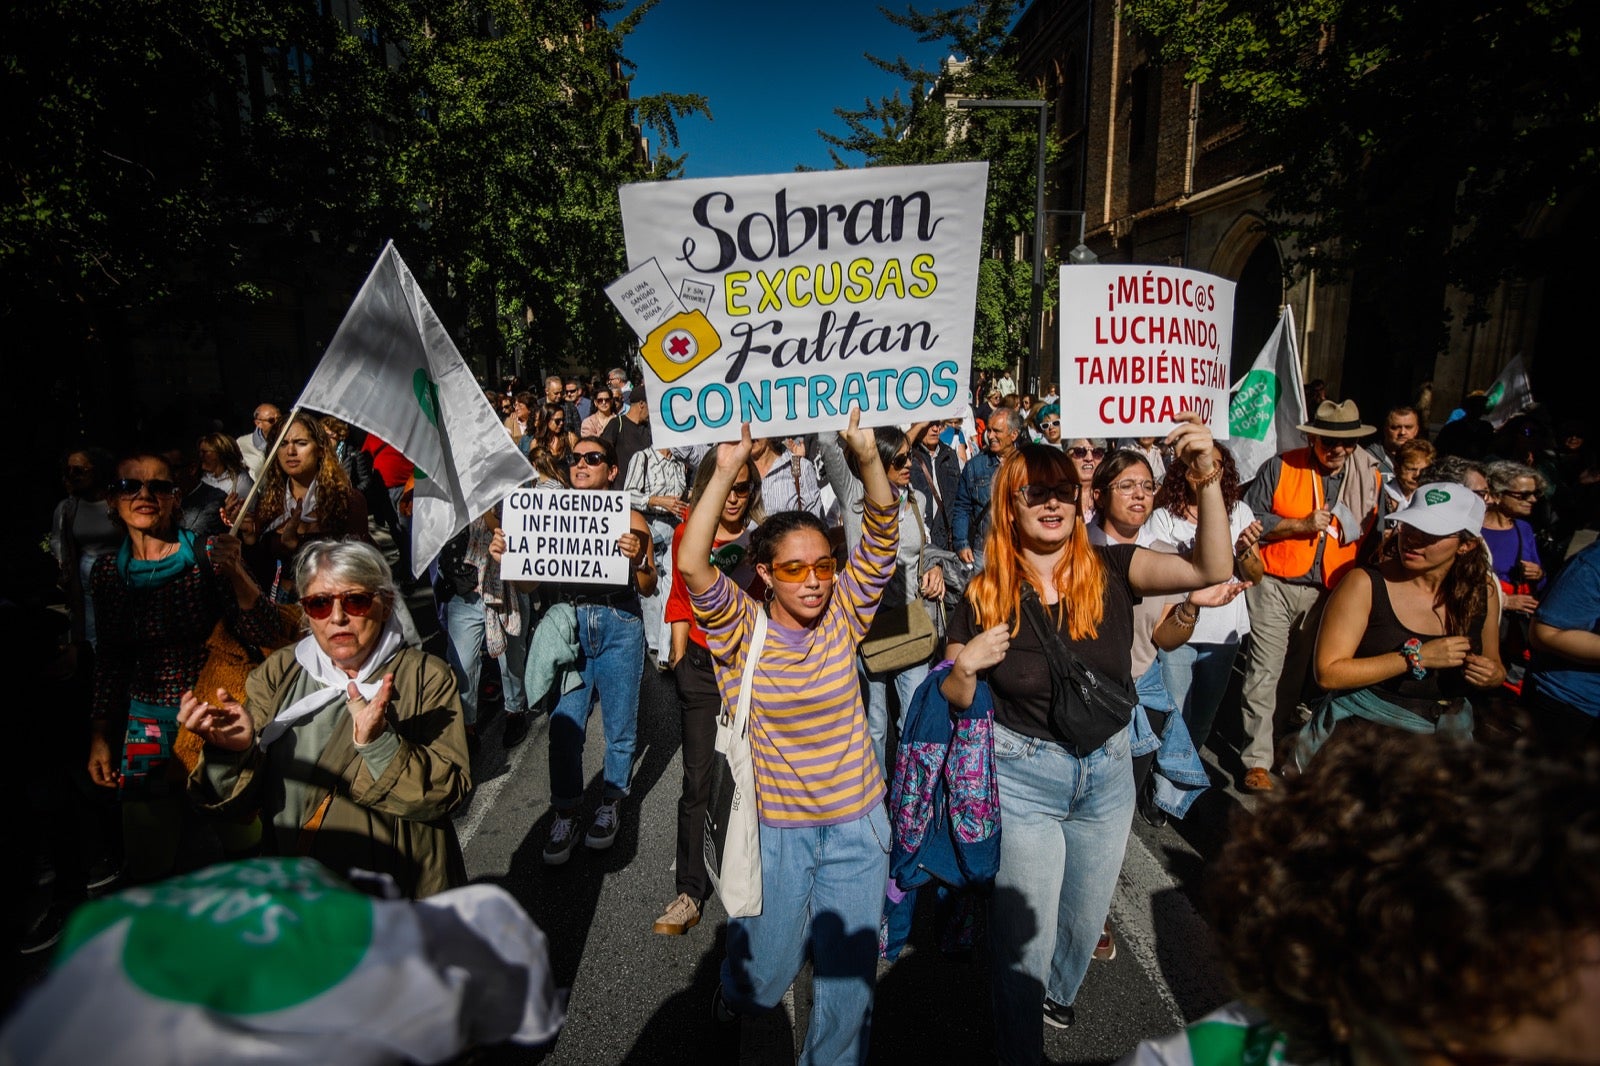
[1198, 483]
[1411, 651]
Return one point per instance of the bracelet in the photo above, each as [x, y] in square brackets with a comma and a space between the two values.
[1186, 622]
[1411, 650]
[1210, 479]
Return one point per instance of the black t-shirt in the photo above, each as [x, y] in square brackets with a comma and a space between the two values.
[1021, 684]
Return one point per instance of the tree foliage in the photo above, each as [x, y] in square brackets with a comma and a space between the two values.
[162, 158]
[919, 125]
[1416, 134]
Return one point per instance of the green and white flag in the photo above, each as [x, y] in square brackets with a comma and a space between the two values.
[1231, 1035]
[393, 370]
[277, 960]
[1268, 402]
[1510, 395]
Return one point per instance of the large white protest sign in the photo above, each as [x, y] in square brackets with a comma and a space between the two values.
[1138, 345]
[785, 300]
[565, 535]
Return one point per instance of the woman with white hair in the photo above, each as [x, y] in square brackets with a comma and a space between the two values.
[350, 743]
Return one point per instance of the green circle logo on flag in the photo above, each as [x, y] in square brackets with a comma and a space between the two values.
[427, 395]
[1496, 394]
[1434, 496]
[1254, 405]
[239, 938]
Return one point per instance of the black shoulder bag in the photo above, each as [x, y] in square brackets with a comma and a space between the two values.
[1087, 707]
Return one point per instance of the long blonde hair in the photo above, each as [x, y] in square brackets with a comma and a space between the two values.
[1079, 579]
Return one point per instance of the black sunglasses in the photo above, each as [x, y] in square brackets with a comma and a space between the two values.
[1084, 453]
[1039, 495]
[901, 461]
[132, 486]
[356, 604]
[586, 458]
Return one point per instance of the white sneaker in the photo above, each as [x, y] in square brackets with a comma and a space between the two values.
[603, 830]
[563, 836]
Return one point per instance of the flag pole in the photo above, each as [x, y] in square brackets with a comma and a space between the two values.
[266, 463]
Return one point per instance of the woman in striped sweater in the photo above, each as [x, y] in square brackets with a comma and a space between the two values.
[819, 792]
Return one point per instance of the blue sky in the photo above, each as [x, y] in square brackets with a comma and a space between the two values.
[773, 72]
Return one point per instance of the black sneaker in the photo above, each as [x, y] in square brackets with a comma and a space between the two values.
[603, 830]
[45, 931]
[102, 877]
[516, 729]
[1059, 1015]
[1152, 814]
[720, 1012]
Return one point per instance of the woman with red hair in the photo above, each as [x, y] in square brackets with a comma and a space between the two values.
[1052, 607]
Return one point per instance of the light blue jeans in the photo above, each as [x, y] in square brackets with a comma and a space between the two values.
[1064, 827]
[610, 661]
[463, 618]
[905, 686]
[1197, 676]
[822, 887]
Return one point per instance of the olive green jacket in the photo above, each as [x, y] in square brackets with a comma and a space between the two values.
[399, 823]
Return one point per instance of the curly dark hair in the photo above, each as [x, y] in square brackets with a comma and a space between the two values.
[1377, 893]
[333, 484]
[1177, 495]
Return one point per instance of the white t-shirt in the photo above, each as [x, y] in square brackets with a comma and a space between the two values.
[1217, 625]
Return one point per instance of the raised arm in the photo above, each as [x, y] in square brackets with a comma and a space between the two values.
[1152, 573]
[694, 551]
[865, 446]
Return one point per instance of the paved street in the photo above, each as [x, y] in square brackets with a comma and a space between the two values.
[639, 997]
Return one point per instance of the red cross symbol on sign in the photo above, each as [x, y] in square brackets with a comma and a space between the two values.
[679, 346]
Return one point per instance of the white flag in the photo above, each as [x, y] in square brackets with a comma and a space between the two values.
[393, 370]
[1268, 402]
[1510, 395]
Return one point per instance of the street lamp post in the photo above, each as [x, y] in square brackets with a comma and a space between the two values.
[1030, 373]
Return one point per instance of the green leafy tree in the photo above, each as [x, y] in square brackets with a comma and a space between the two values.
[921, 125]
[1414, 138]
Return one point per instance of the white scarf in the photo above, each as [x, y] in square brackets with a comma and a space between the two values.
[334, 682]
[308, 506]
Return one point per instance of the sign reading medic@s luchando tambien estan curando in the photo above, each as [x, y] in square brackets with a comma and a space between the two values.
[785, 300]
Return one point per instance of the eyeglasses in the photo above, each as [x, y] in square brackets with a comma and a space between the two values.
[572, 390]
[1084, 453]
[132, 486]
[1051, 425]
[270, 420]
[901, 461]
[602, 399]
[356, 604]
[1038, 495]
[558, 421]
[1125, 488]
[1530, 494]
[1482, 494]
[795, 571]
[586, 458]
[740, 488]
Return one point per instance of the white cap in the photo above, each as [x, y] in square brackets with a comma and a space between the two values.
[1442, 508]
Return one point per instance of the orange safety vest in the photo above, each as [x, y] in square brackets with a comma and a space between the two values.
[1299, 492]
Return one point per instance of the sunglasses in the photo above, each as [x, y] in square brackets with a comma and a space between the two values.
[602, 399]
[741, 488]
[1531, 494]
[132, 486]
[1084, 453]
[1051, 425]
[901, 461]
[586, 458]
[1038, 495]
[572, 392]
[356, 604]
[795, 571]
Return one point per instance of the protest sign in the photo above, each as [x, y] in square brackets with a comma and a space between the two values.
[1138, 345]
[565, 535]
[785, 300]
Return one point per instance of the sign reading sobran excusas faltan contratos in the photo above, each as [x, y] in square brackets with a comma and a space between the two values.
[567, 535]
[785, 300]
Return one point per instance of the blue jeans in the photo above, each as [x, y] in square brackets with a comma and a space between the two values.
[821, 886]
[463, 621]
[463, 625]
[514, 662]
[1197, 677]
[1065, 824]
[905, 686]
[610, 660]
